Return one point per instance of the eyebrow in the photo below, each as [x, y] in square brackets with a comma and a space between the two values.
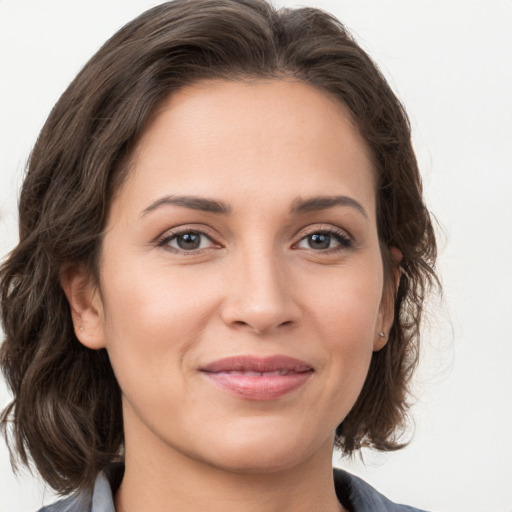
[324, 202]
[299, 205]
[193, 202]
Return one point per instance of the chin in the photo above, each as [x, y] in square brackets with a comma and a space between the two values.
[274, 451]
[259, 461]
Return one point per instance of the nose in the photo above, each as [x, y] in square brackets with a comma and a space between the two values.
[260, 294]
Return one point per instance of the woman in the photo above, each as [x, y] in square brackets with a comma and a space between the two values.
[223, 257]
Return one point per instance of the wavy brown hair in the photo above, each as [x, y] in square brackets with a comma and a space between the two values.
[66, 414]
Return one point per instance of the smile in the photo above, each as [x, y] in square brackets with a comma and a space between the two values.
[253, 378]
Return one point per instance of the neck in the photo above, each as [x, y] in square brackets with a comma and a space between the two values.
[159, 479]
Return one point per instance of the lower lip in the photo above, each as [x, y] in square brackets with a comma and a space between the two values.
[261, 387]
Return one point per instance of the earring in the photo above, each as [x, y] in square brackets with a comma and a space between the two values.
[81, 328]
[382, 334]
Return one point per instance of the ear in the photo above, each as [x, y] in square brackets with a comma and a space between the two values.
[85, 304]
[387, 305]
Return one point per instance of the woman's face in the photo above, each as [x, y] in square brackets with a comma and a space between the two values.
[241, 278]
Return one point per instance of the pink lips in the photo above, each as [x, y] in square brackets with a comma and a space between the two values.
[255, 378]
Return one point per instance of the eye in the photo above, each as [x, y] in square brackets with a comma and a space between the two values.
[323, 240]
[187, 241]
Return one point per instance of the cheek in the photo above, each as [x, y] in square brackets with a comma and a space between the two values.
[346, 320]
[157, 301]
[348, 301]
[152, 322]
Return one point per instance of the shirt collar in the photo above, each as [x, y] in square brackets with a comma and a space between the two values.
[353, 492]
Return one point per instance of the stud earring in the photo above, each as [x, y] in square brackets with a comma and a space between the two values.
[382, 334]
[81, 328]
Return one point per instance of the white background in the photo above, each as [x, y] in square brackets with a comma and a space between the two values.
[451, 64]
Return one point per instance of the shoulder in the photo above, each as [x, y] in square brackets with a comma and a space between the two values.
[100, 499]
[362, 497]
[75, 503]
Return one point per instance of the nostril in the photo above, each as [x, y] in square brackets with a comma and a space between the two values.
[261, 315]
[241, 323]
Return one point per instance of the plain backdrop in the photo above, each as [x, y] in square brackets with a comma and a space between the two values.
[451, 64]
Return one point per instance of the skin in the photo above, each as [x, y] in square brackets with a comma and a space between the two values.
[257, 285]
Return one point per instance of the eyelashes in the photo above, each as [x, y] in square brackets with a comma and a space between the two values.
[315, 239]
[187, 240]
[324, 240]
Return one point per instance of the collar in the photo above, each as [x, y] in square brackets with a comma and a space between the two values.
[353, 492]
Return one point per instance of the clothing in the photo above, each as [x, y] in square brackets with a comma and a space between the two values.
[355, 495]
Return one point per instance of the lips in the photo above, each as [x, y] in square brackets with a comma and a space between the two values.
[254, 378]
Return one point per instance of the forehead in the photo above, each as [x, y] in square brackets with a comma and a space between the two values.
[220, 137]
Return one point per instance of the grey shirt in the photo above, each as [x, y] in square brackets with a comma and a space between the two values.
[355, 495]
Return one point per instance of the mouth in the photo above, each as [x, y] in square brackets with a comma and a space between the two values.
[255, 378]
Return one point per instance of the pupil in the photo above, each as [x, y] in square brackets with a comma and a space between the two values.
[319, 241]
[189, 241]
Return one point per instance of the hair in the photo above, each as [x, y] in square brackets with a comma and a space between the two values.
[66, 415]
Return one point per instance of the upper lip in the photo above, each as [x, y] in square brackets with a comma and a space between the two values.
[257, 364]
